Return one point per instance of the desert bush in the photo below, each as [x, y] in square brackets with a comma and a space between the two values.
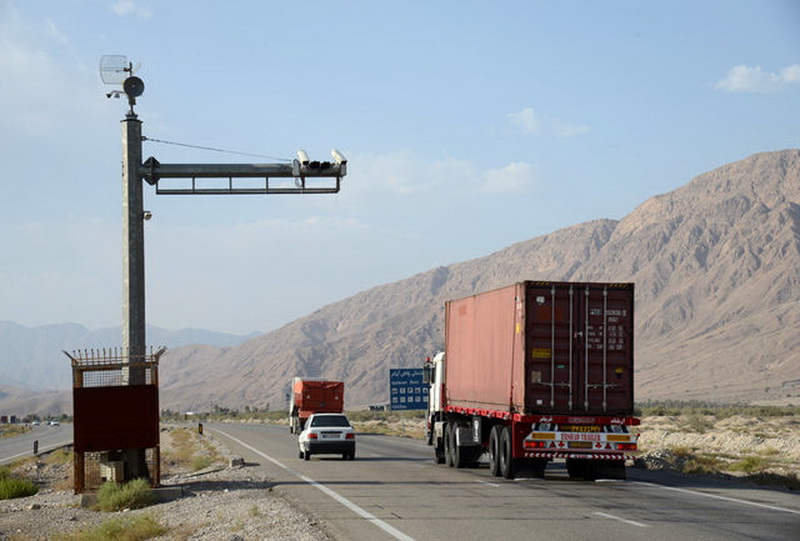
[696, 422]
[190, 450]
[11, 487]
[59, 456]
[749, 464]
[127, 528]
[201, 462]
[131, 495]
[701, 464]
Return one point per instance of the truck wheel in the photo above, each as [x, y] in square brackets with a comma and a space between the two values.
[449, 445]
[439, 452]
[506, 453]
[494, 450]
[461, 456]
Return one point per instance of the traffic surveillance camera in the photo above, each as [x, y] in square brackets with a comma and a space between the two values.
[302, 157]
[339, 157]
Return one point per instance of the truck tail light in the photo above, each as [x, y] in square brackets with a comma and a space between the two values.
[534, 444]
[626, 446]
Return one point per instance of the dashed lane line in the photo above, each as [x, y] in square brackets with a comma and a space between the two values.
[391, 530]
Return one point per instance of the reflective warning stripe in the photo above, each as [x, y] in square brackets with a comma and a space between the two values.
[592, 456]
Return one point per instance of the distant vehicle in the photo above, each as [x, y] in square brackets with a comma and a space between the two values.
[54, 423]
[313, 396]
[327, 433]
[533, 372]
[35, 423]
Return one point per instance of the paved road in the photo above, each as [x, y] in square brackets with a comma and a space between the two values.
[49, 437]
[393, 490]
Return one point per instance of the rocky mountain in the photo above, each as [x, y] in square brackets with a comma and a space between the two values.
[717, 270]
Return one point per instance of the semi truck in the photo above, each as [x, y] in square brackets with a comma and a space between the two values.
[534, 372]
[310, 396]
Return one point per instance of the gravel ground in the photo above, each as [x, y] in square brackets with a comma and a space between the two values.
[221, 503]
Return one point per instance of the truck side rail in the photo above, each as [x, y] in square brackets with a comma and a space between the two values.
[558, 419]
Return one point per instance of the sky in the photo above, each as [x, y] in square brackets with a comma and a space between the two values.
[468, 126]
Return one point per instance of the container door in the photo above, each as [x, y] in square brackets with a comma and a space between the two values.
[580, 348]
[607, 364]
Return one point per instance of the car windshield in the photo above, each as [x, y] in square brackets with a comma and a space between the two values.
[330, 420]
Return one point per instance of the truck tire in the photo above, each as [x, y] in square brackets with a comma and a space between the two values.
[449, 445]
[506, 451]
[494, 450]
[439, 452]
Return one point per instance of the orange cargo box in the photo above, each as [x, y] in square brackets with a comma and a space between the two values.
[317, 396]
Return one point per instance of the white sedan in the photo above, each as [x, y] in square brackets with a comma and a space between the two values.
[327, 433]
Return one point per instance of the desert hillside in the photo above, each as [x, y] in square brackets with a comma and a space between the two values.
[716, 266]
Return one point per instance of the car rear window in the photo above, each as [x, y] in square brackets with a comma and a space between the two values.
[334, 420]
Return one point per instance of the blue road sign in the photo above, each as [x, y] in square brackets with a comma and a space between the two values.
[406, 390]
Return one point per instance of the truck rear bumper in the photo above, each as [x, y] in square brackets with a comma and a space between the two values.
[586, 456]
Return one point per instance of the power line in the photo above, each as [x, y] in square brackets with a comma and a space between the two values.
[213, 149]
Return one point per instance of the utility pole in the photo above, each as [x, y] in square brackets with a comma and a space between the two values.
[133, 299]
[303, 172]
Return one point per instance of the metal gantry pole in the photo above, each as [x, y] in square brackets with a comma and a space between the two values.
[133, 309]
[133, 300]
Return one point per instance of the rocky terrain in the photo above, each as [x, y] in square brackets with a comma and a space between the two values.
[221, 502]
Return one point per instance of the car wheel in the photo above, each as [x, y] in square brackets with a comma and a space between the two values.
[307, 455]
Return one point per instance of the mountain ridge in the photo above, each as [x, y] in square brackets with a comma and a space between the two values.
[716, 264]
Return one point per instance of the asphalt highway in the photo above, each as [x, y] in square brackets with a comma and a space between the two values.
[48, 438]
[393, 490]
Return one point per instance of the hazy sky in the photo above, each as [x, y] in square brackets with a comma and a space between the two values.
[469, 126]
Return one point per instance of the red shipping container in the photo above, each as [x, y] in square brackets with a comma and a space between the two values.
[542, 348]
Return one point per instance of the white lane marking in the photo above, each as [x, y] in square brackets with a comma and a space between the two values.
[626, 521]
[724, 498]
[394, 532]
[495, 485]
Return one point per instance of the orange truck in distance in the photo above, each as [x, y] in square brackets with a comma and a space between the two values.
[309, 396]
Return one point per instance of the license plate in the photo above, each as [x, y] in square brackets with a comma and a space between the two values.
[579, 428]
[580, 445]
[330, 436]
